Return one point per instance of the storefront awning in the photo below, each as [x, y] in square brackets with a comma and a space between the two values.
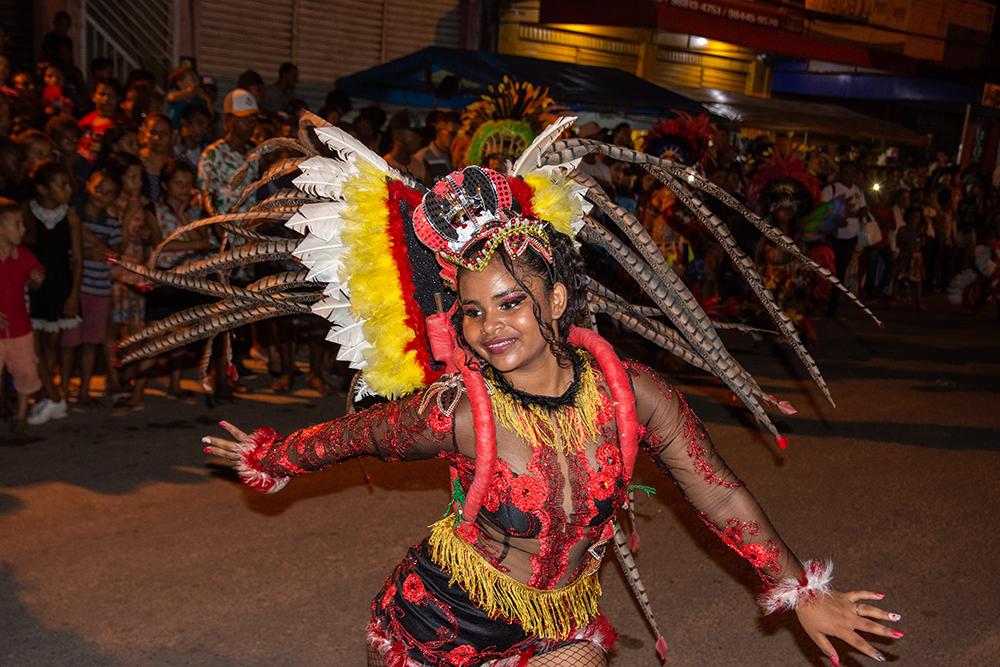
[438, 77]
[778, 115]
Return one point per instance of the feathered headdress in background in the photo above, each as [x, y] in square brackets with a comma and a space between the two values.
[503, 123]
[685, 138]
[782, 180]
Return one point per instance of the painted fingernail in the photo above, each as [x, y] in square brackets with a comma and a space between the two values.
[898, 634]
[894, 617]
[207, 440]
[834, 660]
[223, 424]
[207, 450]
[878, 657]
[880, 595]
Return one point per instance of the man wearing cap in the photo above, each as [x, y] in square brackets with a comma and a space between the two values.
[221, 159]
[405, 144]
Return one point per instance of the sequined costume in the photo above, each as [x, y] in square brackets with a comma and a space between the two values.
[545, 521]
[511, 572]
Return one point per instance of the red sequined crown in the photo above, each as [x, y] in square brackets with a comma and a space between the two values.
[469, 214]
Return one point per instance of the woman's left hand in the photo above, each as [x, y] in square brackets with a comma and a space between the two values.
[842, 615]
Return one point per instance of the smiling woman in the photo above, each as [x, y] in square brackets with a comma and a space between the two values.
[539, 419]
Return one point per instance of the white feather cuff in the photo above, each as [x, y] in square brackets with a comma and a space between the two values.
[787, 594]
[251, 450]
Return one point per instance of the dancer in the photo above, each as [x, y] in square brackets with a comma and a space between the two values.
[467, 307]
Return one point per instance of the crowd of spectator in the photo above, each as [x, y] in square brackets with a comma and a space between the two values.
[93, 169]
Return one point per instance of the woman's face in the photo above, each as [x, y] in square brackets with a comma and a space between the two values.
[158, 135]
[498, 321]
[180, 186]
[784, 214]
[132, 180]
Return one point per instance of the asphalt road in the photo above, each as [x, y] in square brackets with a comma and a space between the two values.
[119, 546]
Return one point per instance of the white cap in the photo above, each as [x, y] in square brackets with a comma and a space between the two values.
[240, 102]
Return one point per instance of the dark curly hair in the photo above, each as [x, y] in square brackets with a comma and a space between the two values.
[567, 268]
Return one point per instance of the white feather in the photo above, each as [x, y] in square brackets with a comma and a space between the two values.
[351, 149]
[323, 177]
[323, 219]
[331, 307]
[532, 155]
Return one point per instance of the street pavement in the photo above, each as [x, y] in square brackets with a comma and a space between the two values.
[119, 545]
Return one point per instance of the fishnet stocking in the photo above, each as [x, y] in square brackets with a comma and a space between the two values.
[579, 654]
[375, 658]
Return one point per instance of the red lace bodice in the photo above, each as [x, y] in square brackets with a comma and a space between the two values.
[545, 509]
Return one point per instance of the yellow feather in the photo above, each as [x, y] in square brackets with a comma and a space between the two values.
[554, 201]
[376, 294]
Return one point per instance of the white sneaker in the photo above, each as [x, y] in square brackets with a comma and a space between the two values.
[60, 409]
[41, 412]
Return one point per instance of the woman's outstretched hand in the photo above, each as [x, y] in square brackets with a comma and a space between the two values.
[842, 615]
[228, 451]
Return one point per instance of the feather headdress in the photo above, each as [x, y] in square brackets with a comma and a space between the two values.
[376, 249]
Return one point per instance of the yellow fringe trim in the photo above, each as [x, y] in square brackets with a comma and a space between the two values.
[549, 614]
[564, 429]
[376, 292]
[554, 201]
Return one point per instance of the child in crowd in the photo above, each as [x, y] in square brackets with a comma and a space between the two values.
[12, 181]
[120, 139]
[65, 136]
[174, 210]
[96, 123]
[18, 269]
[56, 103]
[183, 92]
[139, 234]
[193, 135]
[37, 148]
[910, 262]
[156, 140]
[101, 242]
[55, 237]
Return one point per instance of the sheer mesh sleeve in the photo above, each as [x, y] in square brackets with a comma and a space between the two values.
[418, 426]
[676, 440]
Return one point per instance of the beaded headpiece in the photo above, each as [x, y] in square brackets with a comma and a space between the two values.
[469, 214]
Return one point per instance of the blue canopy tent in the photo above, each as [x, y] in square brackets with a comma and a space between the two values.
[439, 77]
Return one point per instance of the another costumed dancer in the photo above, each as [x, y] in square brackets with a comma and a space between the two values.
[502, 123]
[784, 191]
[468, 307]
[687, 140]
